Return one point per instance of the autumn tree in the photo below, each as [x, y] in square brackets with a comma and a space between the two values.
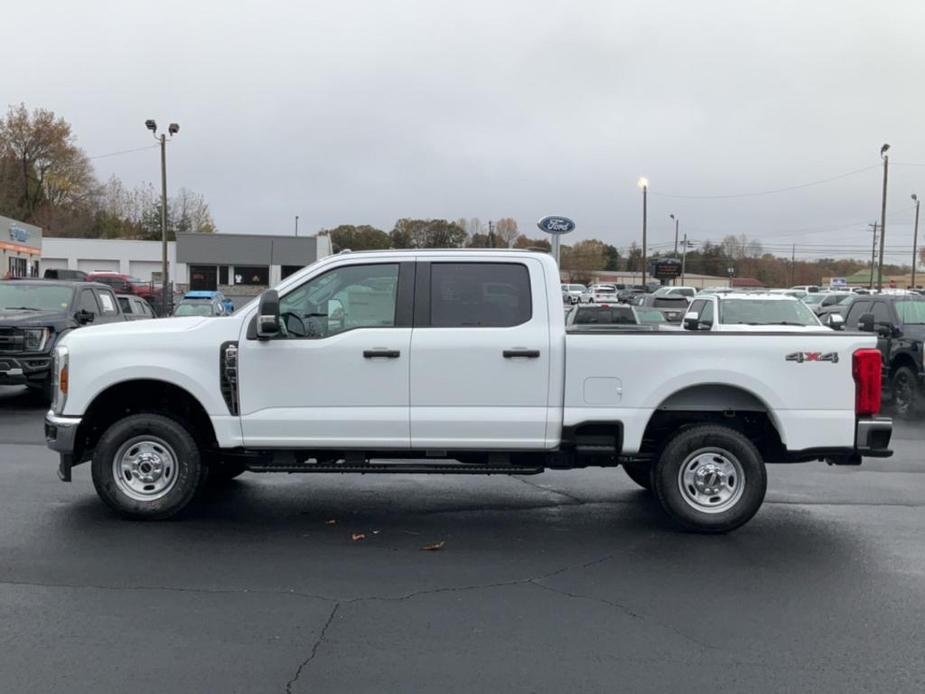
[41, 163]
[358, 238]
[583, 258]
[427, 233]
[525, 242]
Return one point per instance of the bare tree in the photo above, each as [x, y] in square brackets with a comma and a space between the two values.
[506, 232]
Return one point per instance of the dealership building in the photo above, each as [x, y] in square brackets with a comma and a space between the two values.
[20, 248]
[238, 264]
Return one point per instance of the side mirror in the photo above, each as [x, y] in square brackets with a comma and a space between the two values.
[866, 322]
[691, 321]
[84, 316]
[268, 315]
[886, 330]
[835, 321]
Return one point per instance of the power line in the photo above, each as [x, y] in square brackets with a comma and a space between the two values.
[124, 151]
[772, 191]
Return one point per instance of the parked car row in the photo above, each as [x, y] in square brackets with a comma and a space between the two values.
[35, 314]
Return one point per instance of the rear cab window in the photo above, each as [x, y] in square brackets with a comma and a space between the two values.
[108, 303]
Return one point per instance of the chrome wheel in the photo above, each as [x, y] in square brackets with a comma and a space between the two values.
[145, 468]
[711, 480]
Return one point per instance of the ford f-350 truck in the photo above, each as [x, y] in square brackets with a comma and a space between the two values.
[453, 362]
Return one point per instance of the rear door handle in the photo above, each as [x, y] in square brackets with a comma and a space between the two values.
[381, 354]
[521, 353]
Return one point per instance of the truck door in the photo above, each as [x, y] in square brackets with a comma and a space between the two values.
[337, 376]
[480, 355]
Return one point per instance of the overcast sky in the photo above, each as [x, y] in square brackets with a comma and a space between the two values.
[351, 111]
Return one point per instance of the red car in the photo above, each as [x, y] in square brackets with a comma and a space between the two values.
[125, 284]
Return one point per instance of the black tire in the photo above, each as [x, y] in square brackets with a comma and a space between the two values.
[42, 390]
[905, 393]
[221, 472]
[710, 449]
[640, 473]
[174, 440]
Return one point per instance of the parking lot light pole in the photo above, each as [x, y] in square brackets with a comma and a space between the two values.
[886, 168]
[915, 238]
[172, 130]
[675, 234]
[644, 184]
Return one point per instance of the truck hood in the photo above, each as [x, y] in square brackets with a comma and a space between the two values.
[12, 318]
[159, 326]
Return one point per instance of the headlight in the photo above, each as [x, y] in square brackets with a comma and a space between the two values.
[35, 339]
[60, 379]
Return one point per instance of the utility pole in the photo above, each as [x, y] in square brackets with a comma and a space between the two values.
[491, 234]
[873, 254]
[886, 168]
[915, 238]
[793, 263]
[172, 130]
[684, 260]
[644, 184]
[297, 225]
[676, 220]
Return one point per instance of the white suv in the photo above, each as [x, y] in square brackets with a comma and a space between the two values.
[740, 312]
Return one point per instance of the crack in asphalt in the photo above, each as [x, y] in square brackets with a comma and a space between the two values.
[311, 656]
[550, 490]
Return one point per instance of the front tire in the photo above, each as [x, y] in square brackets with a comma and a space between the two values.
[147, 466]
[710, 479]
[905, 393]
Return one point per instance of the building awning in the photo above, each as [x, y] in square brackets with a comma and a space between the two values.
[16, 248]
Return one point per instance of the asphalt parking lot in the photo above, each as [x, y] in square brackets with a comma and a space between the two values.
[562, 582]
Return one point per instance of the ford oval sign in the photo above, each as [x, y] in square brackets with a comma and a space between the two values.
[556, 225]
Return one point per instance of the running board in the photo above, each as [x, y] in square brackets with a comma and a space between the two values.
[401, 468]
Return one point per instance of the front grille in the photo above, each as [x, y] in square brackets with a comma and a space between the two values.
[11, 340]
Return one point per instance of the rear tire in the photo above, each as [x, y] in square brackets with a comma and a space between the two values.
[640, 473]
[905, 393]
[147, 466]
[710, 479]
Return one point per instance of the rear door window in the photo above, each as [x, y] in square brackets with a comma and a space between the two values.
[479, 295]
[882, 313]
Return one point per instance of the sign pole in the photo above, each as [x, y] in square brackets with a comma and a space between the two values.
[555, 227]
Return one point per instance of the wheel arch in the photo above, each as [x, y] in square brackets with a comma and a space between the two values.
[719, 403]
[137, 396]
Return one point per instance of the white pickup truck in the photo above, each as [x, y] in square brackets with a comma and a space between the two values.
[454, 362]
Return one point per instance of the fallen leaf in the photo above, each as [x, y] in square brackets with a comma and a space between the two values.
[330, 522]
[358, 537]
[435, 547]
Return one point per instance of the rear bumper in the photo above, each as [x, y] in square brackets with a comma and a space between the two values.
[60, 436]
[872, 437]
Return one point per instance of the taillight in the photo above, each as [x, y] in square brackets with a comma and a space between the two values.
[867, 369]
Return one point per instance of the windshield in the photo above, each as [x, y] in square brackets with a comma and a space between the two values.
[911, 312]
[649, 315]
[765, 312]
[193, 310]
[33, 297]
[811, 299]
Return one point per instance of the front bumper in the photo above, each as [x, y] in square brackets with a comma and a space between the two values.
[18, 370]
[872, 436]
[60, 436]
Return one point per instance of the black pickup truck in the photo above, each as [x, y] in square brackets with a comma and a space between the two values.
[34, 314]
[899, 321]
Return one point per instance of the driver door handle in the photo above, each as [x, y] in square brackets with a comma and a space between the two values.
[381, 354]
[521, 353]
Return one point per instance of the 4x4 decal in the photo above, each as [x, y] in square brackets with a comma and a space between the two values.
[800, 357]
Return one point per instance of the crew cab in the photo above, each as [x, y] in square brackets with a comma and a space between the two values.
[453, 362]
[34, 314]
[898, 320]
[741, 312]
